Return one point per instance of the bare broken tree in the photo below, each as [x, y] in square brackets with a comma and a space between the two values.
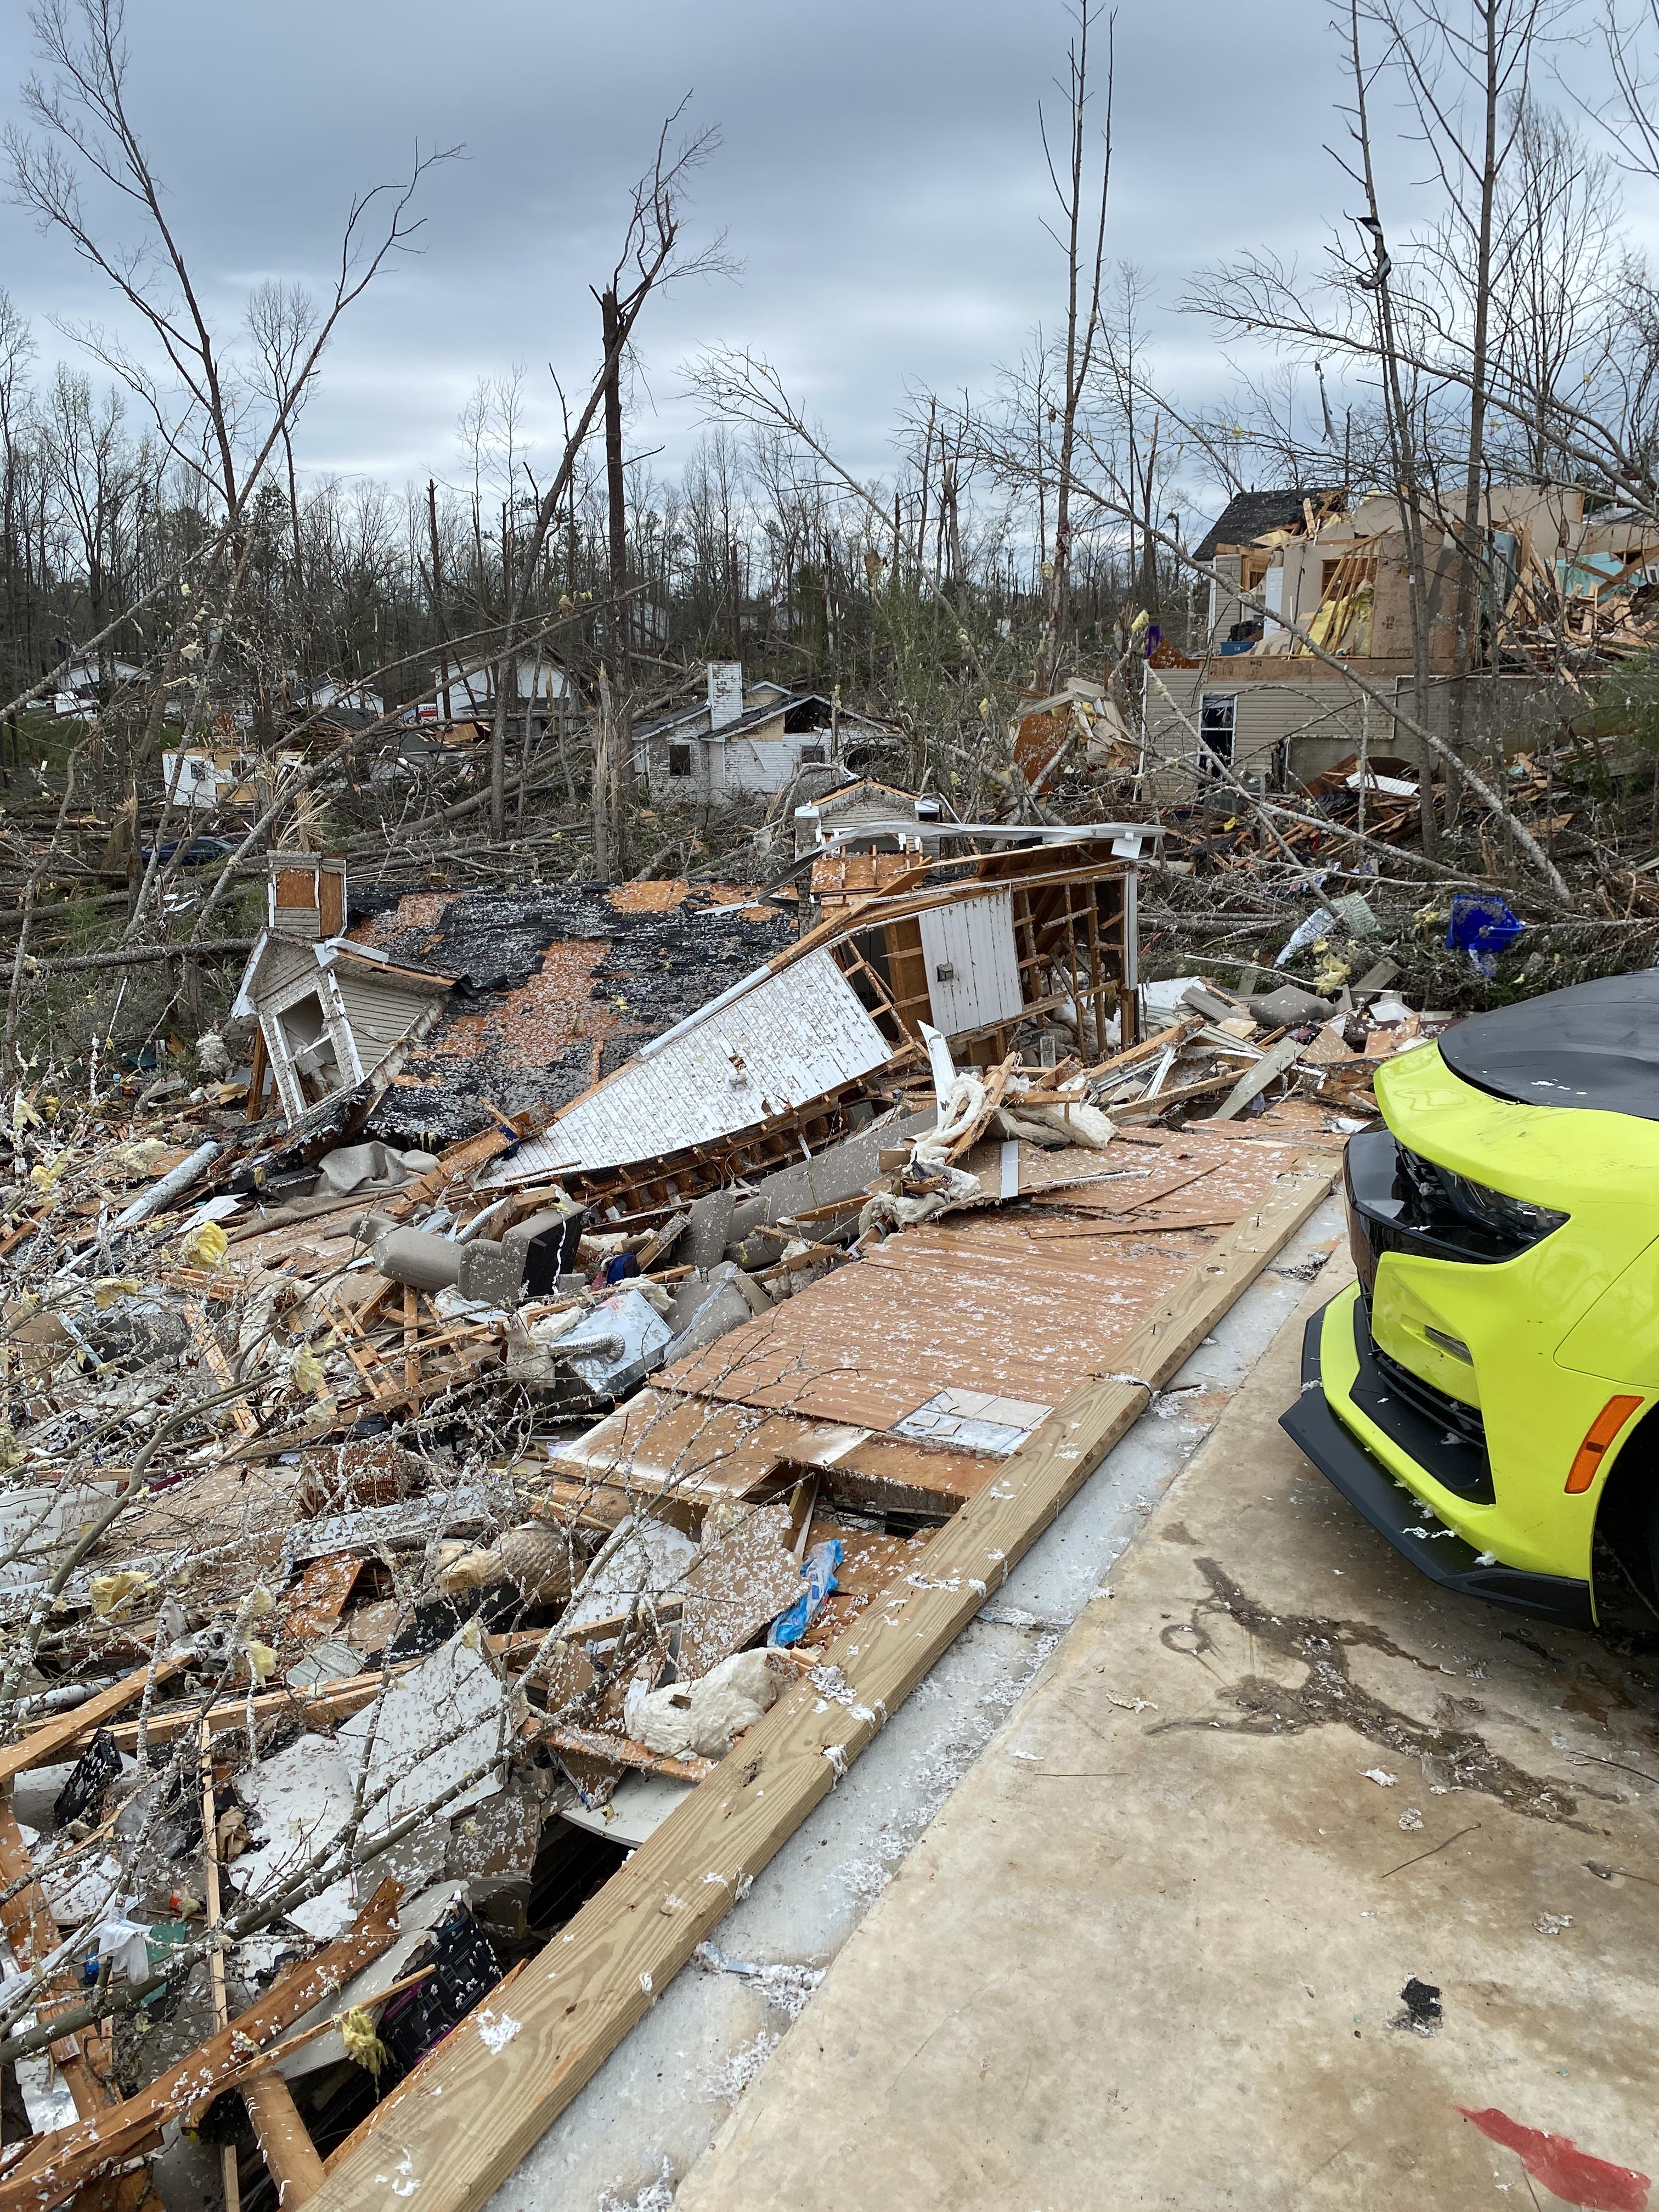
[80, 130]
[82, 168]
[1082, 239]
[650, 257]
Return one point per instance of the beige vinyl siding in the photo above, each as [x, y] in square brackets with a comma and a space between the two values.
[380, 1012]
[1318, 723]
[284, 964]
[1322, 722]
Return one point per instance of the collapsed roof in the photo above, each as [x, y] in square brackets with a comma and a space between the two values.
[1247, 514]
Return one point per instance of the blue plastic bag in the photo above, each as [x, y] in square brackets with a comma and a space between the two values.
[818, 1571]
[1482, 926]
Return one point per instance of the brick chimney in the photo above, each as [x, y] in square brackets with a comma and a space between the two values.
[724, 694]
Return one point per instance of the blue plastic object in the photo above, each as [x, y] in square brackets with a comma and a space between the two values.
[1482, 926]
[818, 1573]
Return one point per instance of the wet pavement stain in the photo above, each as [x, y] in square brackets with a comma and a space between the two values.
[1328, 1696]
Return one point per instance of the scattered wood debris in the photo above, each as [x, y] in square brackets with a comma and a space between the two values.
[397, 1538]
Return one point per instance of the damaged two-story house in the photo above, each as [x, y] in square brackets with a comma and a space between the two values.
[744, 740]
[1306, 567]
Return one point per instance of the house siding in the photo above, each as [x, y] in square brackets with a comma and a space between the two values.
[1321, 722]
[380, 1012]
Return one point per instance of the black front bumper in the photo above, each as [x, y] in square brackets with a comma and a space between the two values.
[1394, 1512]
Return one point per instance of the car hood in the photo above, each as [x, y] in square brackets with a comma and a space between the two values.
[1593, 1046]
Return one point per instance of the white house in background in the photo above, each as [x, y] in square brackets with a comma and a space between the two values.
[202, 778]
[77, 689]
[330, 1013]
[363, 698]
[742, 740]
[464, 690]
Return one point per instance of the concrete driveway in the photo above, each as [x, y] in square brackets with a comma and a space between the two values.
[1156, 1948]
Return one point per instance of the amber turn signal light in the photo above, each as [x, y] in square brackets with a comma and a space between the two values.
[1587, 1461]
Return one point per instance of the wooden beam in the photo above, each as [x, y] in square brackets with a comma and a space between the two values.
[479, 2111]
[317, 1708]
[620, 1751]
[57, 2164]
[291, 2158]
[43, 1745]
[230, 2187]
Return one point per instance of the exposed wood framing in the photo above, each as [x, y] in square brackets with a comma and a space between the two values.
[54, 2166]
[459, 2124]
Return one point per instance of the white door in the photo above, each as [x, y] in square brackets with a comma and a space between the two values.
[973, 969]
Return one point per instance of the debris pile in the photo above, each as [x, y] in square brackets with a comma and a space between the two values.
[398, 1532]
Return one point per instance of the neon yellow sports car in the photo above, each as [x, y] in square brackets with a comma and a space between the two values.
[1487, 1394]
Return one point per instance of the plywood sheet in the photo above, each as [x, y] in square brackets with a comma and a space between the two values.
[975, 1302]
[698, 1448]
[979, 1305]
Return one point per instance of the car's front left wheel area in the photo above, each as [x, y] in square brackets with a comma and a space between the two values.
[1626, 1564]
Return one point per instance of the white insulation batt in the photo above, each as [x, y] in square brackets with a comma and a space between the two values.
[761, 1049]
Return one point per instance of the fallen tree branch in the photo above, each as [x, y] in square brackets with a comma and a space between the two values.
[133, 955]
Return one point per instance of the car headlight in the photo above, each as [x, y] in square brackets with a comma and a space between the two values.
[1516, 1217]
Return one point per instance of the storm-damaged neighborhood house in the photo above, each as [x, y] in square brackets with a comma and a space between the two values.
[744, 740]
[1255, 699]
[331, 1014]
[464, 690]
[800, 1052]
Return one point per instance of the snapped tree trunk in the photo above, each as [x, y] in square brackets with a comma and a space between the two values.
[604, 745]
[620, 741]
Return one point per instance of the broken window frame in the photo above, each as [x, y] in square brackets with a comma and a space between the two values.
[1212, 723]
[336, 1027]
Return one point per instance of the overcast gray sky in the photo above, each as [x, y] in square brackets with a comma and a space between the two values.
[880, 180]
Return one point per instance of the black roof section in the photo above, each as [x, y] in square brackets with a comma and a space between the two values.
[1248, 514]
[1595, 1045]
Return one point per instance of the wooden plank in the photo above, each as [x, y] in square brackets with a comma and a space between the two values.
[412, 1340]
[479, 2112]
[1117, 1198]
[319, 1708]
[618, 1751]
[219, 1367]
[32, 1934]
[1108, 1071]
[1138, 1224]
[230, 2187]
[44, 1745]
[1257, 1079]
[1149, 1108]
[342, 2151]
